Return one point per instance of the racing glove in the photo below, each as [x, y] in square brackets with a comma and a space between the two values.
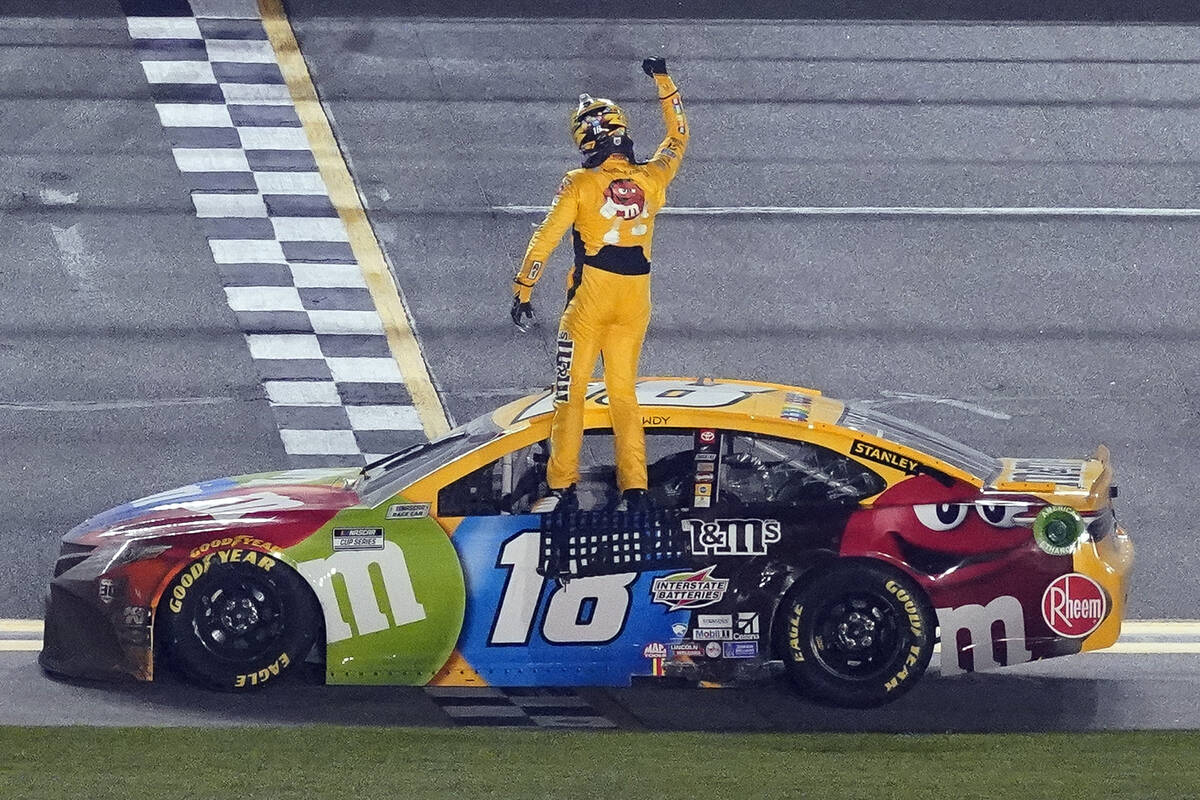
[522, 311]
[654, 66]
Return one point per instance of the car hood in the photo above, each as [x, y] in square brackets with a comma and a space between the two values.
[288, 502]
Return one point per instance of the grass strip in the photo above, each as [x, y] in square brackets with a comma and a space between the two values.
[339, 762]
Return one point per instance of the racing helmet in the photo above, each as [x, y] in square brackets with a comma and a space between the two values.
[600, 128]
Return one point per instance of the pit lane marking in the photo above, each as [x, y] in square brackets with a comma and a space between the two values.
[387, 297]
[900, 211]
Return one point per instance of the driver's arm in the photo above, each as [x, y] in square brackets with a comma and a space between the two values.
[560, 217]
[670, 151]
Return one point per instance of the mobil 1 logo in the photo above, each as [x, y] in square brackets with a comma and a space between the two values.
[732, 537]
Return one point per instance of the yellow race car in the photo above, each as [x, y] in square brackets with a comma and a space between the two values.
[789, 532]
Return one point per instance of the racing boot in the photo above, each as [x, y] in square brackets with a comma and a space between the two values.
[557, 500]
[634, 500]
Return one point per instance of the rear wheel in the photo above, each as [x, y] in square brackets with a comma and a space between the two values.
[859, 635]
[238, 625]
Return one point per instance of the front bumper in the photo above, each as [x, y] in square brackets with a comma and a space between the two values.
[92, 629]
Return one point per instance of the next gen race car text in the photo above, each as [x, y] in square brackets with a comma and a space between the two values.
[790, 531]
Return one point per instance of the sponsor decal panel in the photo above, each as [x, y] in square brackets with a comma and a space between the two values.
[654, 650]
[408, 511]
[357, 539]
[713, 649]
[881, 455]
[679, 629]
[712, 634]
[108, 590]
[746, 625]
[562, 367]
[136, 615]
[1074, 605]
[1049, 470]
[739, 649]
[714, 620]
[796, 407]
[242, 541]
[688, 649]
[732, 537]
[689, 589]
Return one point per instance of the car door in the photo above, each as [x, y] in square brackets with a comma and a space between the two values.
[527, 625]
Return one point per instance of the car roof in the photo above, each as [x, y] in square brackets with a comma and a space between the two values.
[721, 397]
[743, 404]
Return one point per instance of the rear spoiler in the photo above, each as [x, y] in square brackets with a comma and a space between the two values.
[1102, 487]
[1095, 493]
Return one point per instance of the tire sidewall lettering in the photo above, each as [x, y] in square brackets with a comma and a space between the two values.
[188, 576]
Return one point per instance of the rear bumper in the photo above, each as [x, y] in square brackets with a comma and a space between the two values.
[1109, 562]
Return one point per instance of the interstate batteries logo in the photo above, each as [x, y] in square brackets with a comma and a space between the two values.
[1074, 605]
[689, 589]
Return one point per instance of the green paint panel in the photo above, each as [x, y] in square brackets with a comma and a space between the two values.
[394, 612]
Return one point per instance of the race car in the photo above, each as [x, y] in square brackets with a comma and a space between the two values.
[789, 533]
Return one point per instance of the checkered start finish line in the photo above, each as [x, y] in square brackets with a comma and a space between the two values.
[283, 253]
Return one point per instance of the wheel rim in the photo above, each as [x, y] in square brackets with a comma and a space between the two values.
[856, 636]
[239, 620]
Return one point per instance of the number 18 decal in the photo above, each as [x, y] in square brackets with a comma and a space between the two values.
[581, 611]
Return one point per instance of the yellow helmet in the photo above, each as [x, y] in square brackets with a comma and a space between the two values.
[600, 128]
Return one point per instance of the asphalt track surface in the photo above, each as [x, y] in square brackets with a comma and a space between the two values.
[125, 373]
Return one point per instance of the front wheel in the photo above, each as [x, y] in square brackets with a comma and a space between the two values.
[237, 625]
[859, 635]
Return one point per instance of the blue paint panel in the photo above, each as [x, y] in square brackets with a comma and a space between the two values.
[146, 505]
[536, 661]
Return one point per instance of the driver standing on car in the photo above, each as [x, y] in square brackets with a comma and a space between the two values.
[610, 205]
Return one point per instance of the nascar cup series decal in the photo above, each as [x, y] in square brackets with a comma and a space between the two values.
[1074, 605]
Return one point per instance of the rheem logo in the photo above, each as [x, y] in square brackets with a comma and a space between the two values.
[1074, 605]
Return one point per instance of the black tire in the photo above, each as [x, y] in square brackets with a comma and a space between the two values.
[858, 635]
[237, 625]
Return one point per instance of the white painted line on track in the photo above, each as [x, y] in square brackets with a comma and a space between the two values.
[240, 51]
[361, 323]
[164, 28]
[20, 645]
[382, 418]
[345, 276]
[291, 183]
[1151, 648]
[589, 721]
[179, 72]
[273, 138]
[553, 701]
[464, 691]
[1160, 627]
[21, 626]
[258, 94]
[899, 211]
[484, 711]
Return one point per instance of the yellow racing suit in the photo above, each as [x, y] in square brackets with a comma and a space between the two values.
[611, 210]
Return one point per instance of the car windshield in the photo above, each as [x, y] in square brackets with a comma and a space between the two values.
[383, 478]
[909, 434]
